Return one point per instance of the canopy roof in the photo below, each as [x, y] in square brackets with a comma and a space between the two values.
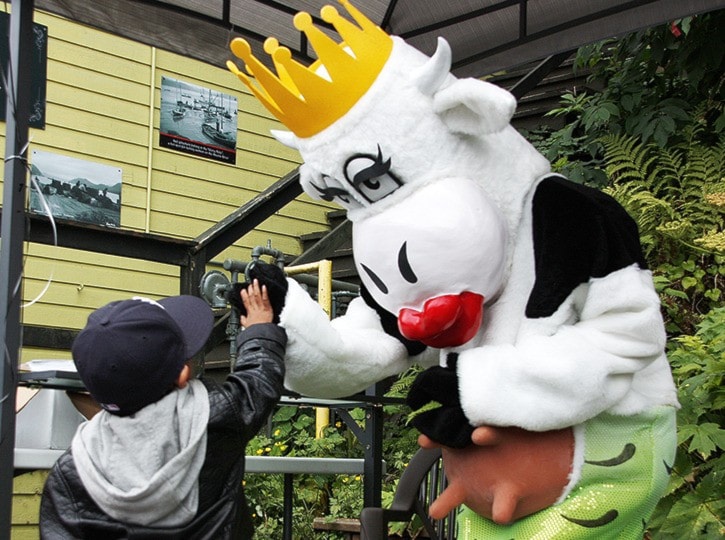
[485, 35]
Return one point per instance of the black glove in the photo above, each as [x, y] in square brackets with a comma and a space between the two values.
[445, 424]
[267, 274]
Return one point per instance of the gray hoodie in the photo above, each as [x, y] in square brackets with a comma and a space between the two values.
[144, 468]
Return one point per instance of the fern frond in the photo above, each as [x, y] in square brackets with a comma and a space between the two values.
[705, 165]
[430, 406]
[665, 180]
[648, 210]
[402, 385]
[624, 157]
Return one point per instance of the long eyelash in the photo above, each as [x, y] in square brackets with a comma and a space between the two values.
[374, 277]
[329, 193]
[404, 265]
[378, 168]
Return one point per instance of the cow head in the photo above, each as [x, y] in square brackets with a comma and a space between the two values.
[430, 170]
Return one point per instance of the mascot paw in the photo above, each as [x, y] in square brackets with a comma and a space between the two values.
[267, 274]
[446, 424]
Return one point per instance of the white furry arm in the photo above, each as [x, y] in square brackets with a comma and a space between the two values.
[548, 382]
[336, 358]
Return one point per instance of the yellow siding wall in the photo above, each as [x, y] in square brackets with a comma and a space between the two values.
[103, 101]
[102, 94]
[26, 505]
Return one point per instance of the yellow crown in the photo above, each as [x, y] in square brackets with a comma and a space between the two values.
[303, 98]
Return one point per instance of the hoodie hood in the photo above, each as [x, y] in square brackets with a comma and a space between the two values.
[144, 468]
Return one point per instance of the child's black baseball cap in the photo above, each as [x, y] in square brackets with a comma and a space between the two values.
[131, 352]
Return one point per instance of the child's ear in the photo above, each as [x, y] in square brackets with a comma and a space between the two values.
[184, 376]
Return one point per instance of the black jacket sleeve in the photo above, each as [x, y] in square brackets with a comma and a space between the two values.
[59, 509]
[256, 384]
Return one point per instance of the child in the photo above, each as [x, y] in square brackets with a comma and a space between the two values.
[165, 456]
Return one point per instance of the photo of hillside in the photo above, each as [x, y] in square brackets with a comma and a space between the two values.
[70, 188]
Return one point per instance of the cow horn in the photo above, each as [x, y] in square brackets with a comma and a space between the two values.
[285, 137]
[431, 75]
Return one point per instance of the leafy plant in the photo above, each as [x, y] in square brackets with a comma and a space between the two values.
[291, 432]
[694, 506]
[677, 196]
[646, 85]
[652, 136]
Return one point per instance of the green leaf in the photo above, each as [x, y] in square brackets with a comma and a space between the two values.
[676, 293]
[706, 438]
[713, 294]
[611, 108]
[627, 102]
[720, 123]
[431, 405]
[697, 515]
[688, 282]
[285, 414]
[661, 133]
[689, 265]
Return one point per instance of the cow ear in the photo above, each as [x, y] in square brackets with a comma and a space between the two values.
[474, 107]
[285, 137]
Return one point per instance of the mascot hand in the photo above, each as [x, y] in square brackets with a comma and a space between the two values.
[268, 274]
[445, 424]
[516, 472]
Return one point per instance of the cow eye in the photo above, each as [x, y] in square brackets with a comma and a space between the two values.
[371, 176]
[327, 188]
[329, 192]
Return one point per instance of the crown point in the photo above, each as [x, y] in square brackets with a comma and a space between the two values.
[240, 48]
[231, 66]
[282, 54]
[302, 21]
[270, 45]
[329, 14]
[300, 96]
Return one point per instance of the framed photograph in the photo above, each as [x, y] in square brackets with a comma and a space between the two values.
[198, 121]
[38, 71]
[75, 189]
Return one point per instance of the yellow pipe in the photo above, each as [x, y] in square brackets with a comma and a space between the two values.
[324, 297]
[324, 286]
[303, 268]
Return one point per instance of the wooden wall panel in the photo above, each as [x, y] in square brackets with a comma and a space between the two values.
[103, 91]
[82, 281]
[26, 504]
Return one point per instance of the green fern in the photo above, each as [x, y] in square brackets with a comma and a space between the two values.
[402, 385]
[672, 193]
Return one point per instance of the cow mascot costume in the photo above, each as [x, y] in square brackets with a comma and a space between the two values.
[525, 296]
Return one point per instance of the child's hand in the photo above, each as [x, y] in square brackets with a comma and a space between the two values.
[256, 302]
[270, 276]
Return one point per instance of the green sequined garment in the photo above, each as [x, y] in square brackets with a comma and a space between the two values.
[627, 461]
